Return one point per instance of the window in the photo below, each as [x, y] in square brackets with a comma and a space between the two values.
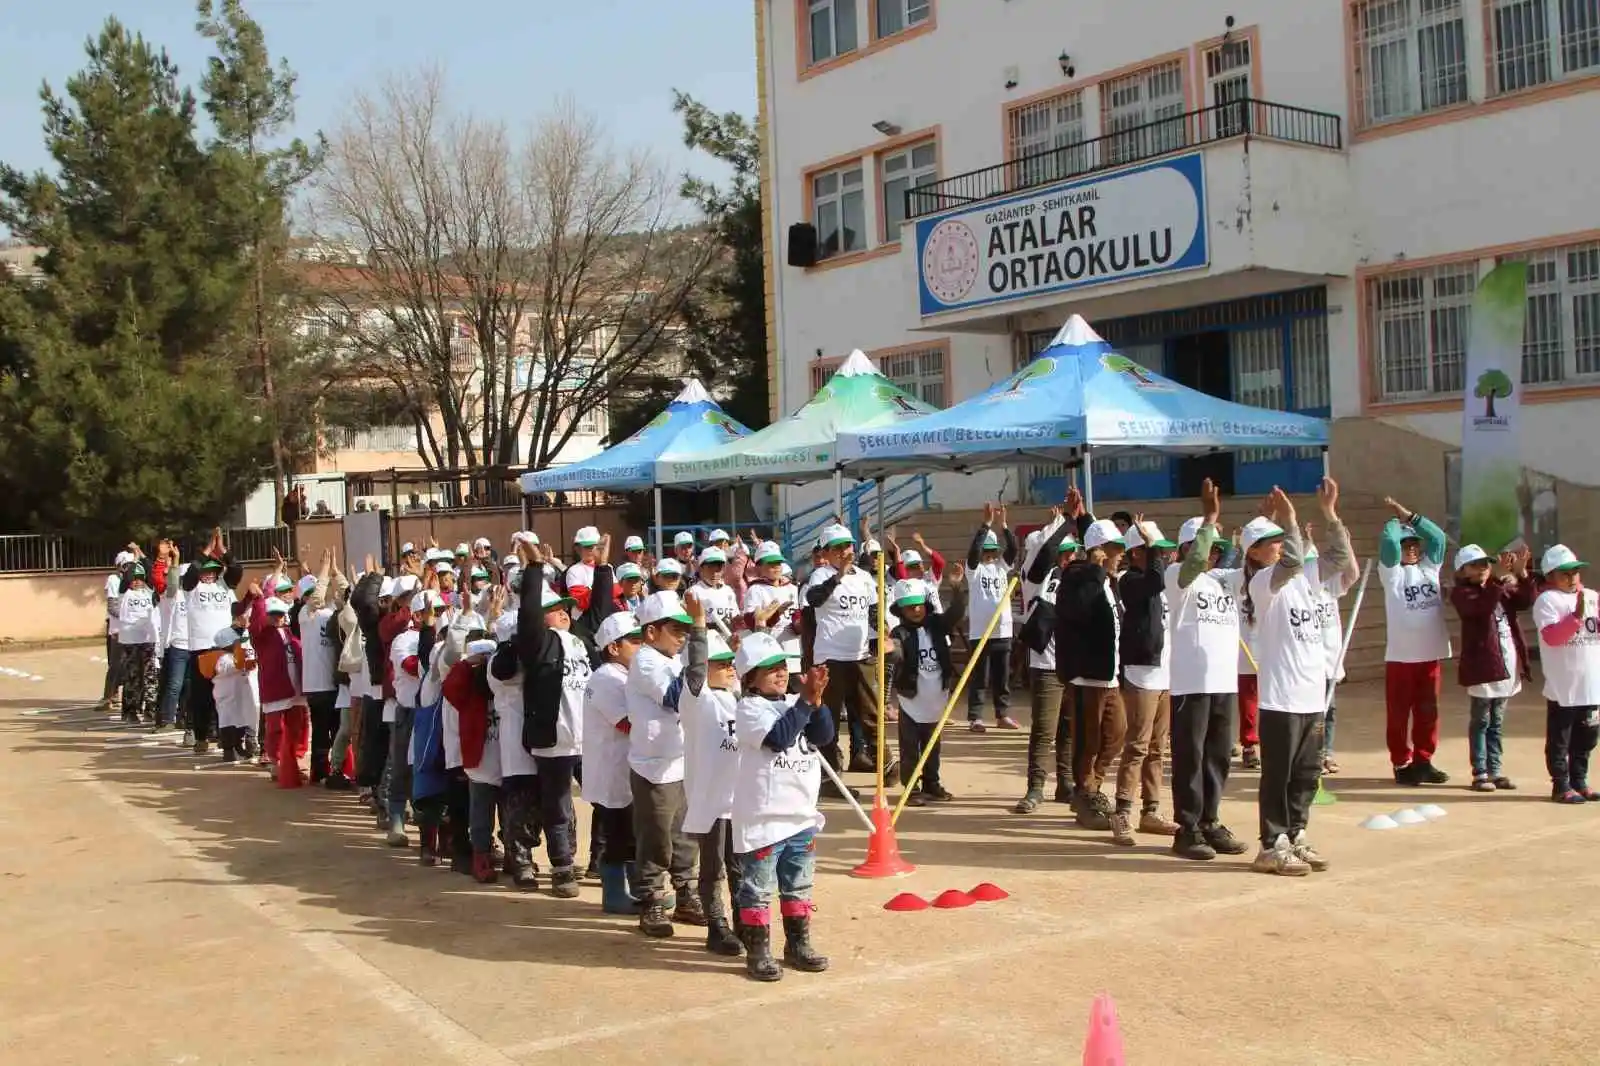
[839, 211]
[910, 168]
[918, 373]
[589, 421]
[1562, 338]
[895, 16]
[832, 29]
[1145, 113]
[1419, 322]
[1047, 141]
[1412, 56]
[1228, 68]
[1534, 42]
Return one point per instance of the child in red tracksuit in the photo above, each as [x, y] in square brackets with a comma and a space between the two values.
[288, 740]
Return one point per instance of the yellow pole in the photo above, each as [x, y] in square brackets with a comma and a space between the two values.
[883, 653]
[909, 782]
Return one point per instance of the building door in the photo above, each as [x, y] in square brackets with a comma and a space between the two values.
[1203, 362]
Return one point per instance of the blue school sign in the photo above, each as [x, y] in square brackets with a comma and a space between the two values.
[1135, 223]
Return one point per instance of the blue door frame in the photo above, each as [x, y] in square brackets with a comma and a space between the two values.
[1150, 476]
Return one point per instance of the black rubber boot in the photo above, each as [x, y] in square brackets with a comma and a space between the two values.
[720, 939]
[759, 965]
[797, 950]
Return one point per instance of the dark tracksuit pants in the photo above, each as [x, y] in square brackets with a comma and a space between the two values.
[1291, 765]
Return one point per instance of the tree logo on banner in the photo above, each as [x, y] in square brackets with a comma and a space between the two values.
[904, 406]
[1493, 384]
[1037, 370]
[1121, 364]
[722, 422]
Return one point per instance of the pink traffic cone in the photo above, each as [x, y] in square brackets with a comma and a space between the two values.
[1103, 1045]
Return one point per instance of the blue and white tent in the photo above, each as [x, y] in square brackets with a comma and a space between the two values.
[1076, 396]
[693, 422]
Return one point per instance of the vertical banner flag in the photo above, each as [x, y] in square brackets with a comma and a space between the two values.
[1491, 455]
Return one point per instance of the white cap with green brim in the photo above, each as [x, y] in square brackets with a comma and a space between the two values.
[1101, 533]
[713, 556]
[633, 544]
[720, 536]
[1559, 558]
[1135, 539]
[1257, 530]
[550, 599]
[629, 572]
[587, 537]
[662, 607]
[836, 535]
[910, 557]
[1469, 554]
[1069, 543]
[910, 593]
[1190, 530]
[276, 606]
[616, 627]
[769, 552]
[480, 574]
[717, 650]
[481, 647]
[669, 568]
[759, 651]
[1409, 532]
[991, 543]
[683, 538]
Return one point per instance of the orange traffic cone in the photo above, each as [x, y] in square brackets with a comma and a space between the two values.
[1103, 1045]
[883, 851]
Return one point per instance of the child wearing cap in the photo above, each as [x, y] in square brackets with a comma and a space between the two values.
[236, 685]
[683, 549]
[1328, 586]
[469, 713]
[519, 784]
[775, 816]
[715, 595]
[1567, 616]
[1410, 558]
[924, 676]
[656, 769]
[409, 655]
[1050, 727]
[139, 634]
[1146, 678]
[772, 603]
[630, 591]
[1292, 668]
[580, 575]
[989, 565]
[1203, 679]
[318, 671]
[1088, 635]
[605, 757]
[435, 652]
[667, 578]
[711, 764]
[207, 588]
[287, 738]
[1494, 660]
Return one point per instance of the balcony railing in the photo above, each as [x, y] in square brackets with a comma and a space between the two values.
[1210, 125]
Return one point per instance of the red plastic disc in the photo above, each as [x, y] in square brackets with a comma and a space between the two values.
[952, 898]
[906, 901]
[989, 893]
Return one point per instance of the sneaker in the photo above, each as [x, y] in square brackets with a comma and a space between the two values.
[1571, 795]
[247, 746]
[525, 876]
[1308, 854]
[188, 738]
[831, 791]
[202, 747]
[1251, 757]
[1029, 802]
[1280, 859]
[1122, 829]
[860, 763]
[1504, 784]
[1407, 775]
[1089, 816]
[653, 920]
[1192, 845]
[564, 883]
[689, 911]
[484, 870]
[937, 794]
[976, 726]
[1151, 822]
[1482, 784]
[1428, 773]
[1589, 794]
[1235, 751]
[891, 776]
[1221, 838]
[1008, 722]
[917, 799]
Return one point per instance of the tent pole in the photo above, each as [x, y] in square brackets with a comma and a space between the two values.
[658, 523]
[1326, 472]
[1088, 479]
[880, 507]
[838, 493]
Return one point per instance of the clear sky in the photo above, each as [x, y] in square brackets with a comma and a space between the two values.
[620, 59]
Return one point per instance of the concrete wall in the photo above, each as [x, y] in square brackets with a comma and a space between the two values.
[52, 606]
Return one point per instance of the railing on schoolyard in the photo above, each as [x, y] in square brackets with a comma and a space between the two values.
[60, 552]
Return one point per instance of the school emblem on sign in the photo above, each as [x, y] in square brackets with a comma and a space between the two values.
[950, 261]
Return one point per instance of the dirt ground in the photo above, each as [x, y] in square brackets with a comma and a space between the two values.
[158, 907]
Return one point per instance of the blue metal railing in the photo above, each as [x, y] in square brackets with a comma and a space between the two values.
[901, 497]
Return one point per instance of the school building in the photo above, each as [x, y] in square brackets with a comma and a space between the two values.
[1288, 205]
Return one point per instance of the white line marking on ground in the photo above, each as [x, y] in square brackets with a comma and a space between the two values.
[1055, 928]
[454, 1039]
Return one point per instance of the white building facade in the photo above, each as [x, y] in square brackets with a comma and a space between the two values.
[1285, 204]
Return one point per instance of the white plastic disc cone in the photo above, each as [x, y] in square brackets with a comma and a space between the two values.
[1380, 821]
[1432, 811]
[1409, 816]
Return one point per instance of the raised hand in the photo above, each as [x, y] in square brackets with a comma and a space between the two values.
[1004, 524]
[1328, 498]
[957, 573]
[813, 683]
[916, 538]
[1399, 509]
[1074, 503]
[1210, 501]
[1282, 507]
[497, 601]
[988, 514]
[696, 609]
[603, 556]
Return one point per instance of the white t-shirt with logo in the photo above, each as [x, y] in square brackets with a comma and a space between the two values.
[1155, 678]
[138, 619]
[1571, 670]
[580, 576]
[843, 627]
[1045, 660]
[210, 612]
[575, 672]
[1327, 592]
[1203, 632]
[1291, 663]
[175, 613]
[605, 747]
[710, 756]
[507, 729]
[758, 598]
[114, 593]
[927, 706]
[655, 744]
[721, 604]
[407, 686]
[775, 793]
[987, 584]
[316, 645]
[1116, 643]
[1413, 604]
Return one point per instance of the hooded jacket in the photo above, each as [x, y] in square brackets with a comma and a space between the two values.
[1086, 625]
[277, 655]
[1481, 661]
[539, 653]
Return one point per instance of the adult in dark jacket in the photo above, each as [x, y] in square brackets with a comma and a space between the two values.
[369, 604]
[202, 701]
[1088, 625]
[1145, 682]
[1493, 662]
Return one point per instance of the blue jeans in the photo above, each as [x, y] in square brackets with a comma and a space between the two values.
[1483, 735]
[174, 676]
[398, 767]
[790, 866]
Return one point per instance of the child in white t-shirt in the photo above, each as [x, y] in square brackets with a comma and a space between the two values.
[1328, 587]
[775, 816]
[989, 563]
[1567, 616]
[605, 757]
[1493, 660]
[711, 765]
[1410, 559]
[924, 676]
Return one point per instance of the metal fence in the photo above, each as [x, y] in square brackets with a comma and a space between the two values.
[59, 552]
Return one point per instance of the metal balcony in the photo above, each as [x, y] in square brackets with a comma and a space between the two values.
[1210, 125]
